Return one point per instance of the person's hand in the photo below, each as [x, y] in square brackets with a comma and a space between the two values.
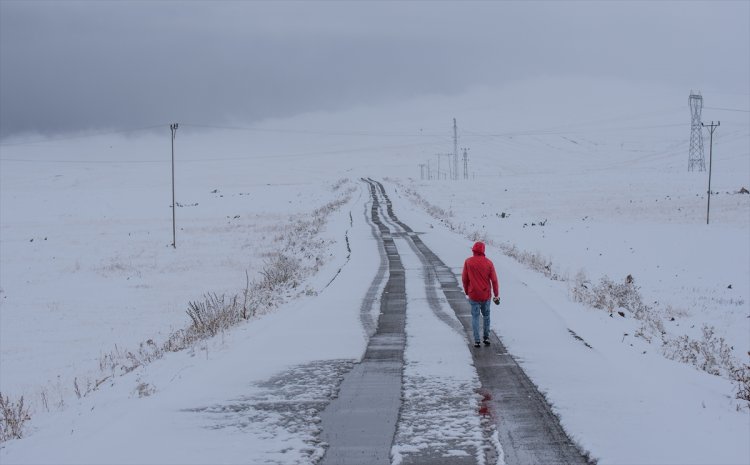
[496, 300]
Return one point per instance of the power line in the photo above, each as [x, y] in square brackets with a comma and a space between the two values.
[553, 130]
[293, 155]
[108, 162]
[305, 131]
[572, 132]
[727, 109]
[596, 122]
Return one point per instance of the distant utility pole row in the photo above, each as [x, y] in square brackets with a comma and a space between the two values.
[451, 172]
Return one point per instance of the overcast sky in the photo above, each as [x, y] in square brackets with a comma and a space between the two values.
[71, 66]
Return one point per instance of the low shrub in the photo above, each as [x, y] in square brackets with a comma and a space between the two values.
[610, 295]
[13, 415]
[477, 235]
[213, 314]
[432, 209]
[621, 296]
[741, 376]
[710, 353]
[281, 270]
[339, 184]
[535, 261]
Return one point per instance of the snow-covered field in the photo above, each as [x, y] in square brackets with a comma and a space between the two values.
[653, 228]
[87, 261]
[593, 178]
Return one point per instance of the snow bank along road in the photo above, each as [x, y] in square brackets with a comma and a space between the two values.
[435, 420]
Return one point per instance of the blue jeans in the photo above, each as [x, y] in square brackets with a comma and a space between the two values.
[476, 307]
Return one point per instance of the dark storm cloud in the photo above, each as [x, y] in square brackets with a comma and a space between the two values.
[69, 66]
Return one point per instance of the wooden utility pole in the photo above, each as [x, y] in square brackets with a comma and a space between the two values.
[450, 169]
[466, 163]
[711, 127]
[454, 174]
[173, 128]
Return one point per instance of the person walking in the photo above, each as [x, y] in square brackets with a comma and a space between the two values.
[480, 282]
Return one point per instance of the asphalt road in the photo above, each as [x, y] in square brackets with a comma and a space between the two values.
[360, 424]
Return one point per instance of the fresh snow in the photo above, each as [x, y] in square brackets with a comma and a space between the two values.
[611, 397]
[86, 266]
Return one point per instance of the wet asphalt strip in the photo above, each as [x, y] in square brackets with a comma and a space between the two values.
[359, 425]
[528, 430]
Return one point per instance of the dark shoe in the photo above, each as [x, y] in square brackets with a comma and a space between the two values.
[477, 344]
[486, 341]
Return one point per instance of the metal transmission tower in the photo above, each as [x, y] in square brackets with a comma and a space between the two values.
[696, 159]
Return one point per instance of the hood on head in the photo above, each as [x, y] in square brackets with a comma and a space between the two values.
[478, 248]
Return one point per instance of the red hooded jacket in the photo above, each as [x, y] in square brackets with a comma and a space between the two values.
[478, 274]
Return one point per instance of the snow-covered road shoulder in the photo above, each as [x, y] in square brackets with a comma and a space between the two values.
[623, 403]
[230, 399]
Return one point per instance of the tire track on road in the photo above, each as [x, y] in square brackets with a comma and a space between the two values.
[369, 324]
[430, 281]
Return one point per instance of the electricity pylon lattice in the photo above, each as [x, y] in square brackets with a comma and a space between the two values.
[696, 159]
